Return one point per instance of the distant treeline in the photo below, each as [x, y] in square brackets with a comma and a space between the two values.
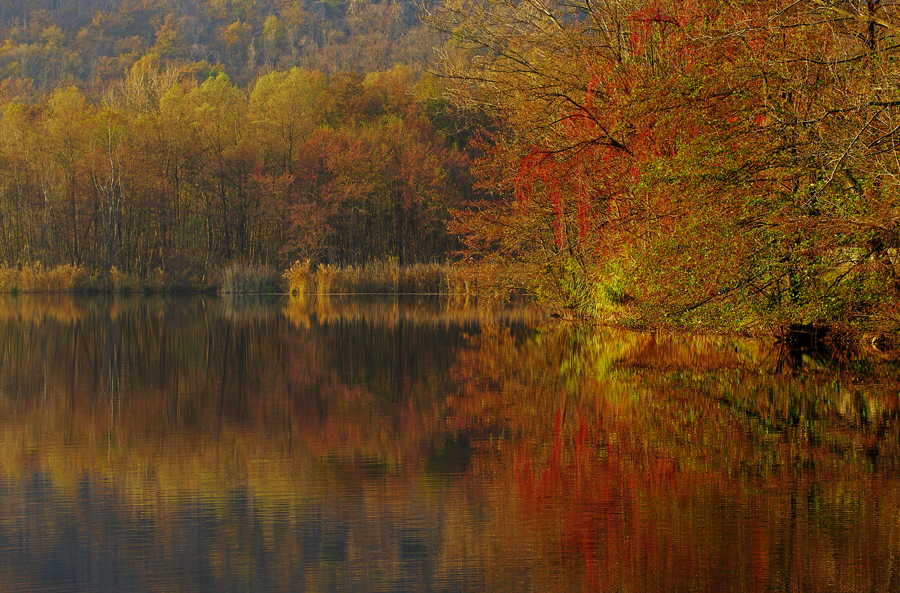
[48, 43]
[172, 174]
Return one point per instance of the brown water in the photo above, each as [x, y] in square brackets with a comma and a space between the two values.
[202, 444]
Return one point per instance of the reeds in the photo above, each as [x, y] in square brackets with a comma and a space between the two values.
[156, 281]
[389, 277]
[326, 277]
[384, 277]
[37, 278]
[251, 278]
[298, 278]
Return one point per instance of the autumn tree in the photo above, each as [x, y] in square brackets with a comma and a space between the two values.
[381, 174]
[715, 163]
[66, 130]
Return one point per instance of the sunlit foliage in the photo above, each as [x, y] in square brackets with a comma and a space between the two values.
[715, 163]
[173, 177]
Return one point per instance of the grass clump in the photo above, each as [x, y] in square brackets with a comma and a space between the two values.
[327, 277]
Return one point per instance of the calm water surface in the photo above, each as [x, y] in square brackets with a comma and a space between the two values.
[204, 444]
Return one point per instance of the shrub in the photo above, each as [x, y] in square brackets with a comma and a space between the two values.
[9, 279]
[298, 278]
[326, 278]
[121, 282]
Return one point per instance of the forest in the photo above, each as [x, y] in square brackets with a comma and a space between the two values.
[719, 164]
[184, 176]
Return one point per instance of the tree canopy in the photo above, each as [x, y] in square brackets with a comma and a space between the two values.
[718, 163]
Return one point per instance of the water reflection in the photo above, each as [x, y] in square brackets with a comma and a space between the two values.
[203, 444]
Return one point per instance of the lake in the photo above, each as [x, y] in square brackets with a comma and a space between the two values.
[410, 444]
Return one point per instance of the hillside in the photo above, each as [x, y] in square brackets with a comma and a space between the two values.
[48, 43]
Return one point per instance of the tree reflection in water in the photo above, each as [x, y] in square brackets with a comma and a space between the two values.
[213, 444]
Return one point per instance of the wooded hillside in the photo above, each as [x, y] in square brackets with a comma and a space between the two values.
[46, 43]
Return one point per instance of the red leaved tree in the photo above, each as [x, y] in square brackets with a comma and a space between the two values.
[707, 162]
